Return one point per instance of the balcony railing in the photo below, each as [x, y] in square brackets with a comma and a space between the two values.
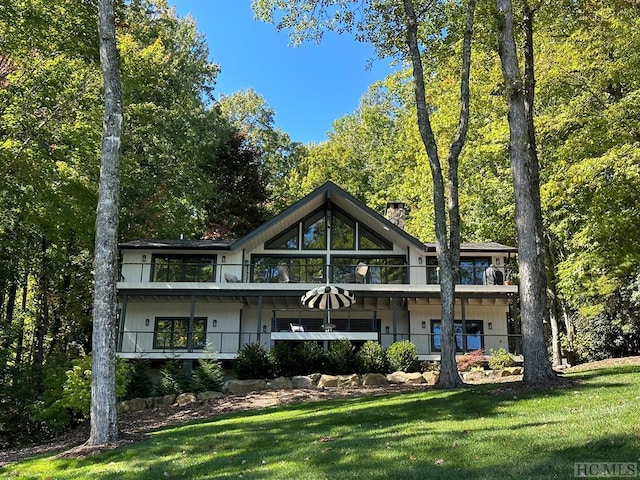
[141, 343]
[374, 274]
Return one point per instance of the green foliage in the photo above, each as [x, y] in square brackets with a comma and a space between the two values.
[403, 356]
[471, 360]
[297, 358]
[140, 384]
[173, 378]
[253, 362]
[207, 376]
[341, 358]
[500, 359]
[76, 394]
[372, 358]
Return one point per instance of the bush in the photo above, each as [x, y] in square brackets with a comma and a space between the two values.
[173, 378]
[294, 358]
[403, 356]
[140, 385]
[207, 376]
[253, 361]
[470, 360]
[372, 358]
[500, 359]
[341, 358]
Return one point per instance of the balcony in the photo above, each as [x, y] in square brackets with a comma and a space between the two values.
[297, 272]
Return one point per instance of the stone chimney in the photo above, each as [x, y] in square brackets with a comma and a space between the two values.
[396, 213]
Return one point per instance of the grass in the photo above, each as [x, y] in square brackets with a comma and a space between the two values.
[482, 432]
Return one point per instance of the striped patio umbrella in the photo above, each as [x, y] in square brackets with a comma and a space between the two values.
[328, 297]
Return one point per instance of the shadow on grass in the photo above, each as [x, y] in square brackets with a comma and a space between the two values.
[475, 431]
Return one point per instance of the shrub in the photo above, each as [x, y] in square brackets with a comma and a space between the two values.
[173, 378]
[207, 376]
[470, 360]
[253, 361]
[500, 359]
[293, 358]
[341, 358]
[403, 356]
[140, 385]
[372, 358]
[309, 358]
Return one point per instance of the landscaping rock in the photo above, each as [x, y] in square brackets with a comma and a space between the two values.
[186, 398]
[133, 405]
[235, 387]
[164, 401]
[280, 383]
[302, 381]
[414, 378]
[473, 376]
[515, 370]
[374, 379]
[347, 381]
[327, 381]
[211, 395]
[431, 378]
[315, 377]
[397, 377]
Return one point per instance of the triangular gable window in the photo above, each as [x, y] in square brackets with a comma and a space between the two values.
[367, 240]
[315, 232]
[285, 241]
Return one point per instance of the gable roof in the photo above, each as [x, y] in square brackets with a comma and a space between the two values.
[328, 192]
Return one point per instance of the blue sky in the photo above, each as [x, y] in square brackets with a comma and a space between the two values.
[308, 86]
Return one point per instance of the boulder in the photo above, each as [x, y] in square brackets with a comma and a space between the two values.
[133, 405]
[280, 383]
[235, 387]
[327, 381]
[302, 381]
[347, 381]
[473, 376]
[414, 378]
[374, 379]
[210, 395]
[515, 370]
[186, 398]
[397, 377]
[164, 401]
[315, 377]
[431, 378]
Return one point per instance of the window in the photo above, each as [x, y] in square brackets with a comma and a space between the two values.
[380, 270]
[173, 332]
[367, 240]
[343, 232]
[469, 335]
[285, 241]
[472, 269]
[183, 268]
[314, 232]
[281, 269]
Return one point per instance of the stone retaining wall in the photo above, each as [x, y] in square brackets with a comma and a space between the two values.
[316, 380]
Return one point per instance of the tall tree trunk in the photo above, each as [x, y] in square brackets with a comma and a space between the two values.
[447, 246]
[42, 317]
[533, 301]
[104, 428]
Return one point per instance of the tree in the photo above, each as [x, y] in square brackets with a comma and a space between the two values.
[104, 427]
[526, 185]
[404, 30]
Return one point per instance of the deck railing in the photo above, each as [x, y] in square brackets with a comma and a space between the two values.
[378, 274]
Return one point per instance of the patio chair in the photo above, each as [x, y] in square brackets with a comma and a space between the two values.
[231, 278]
[296, 328]
[361, 272]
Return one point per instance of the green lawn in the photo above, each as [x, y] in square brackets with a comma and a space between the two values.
[481, 432]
